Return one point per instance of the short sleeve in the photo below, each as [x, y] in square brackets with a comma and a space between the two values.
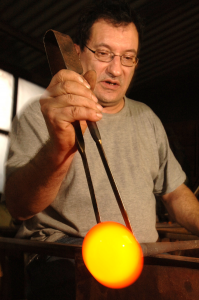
[29, 133]
[170, 174]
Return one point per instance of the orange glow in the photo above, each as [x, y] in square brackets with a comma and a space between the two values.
[112, 255]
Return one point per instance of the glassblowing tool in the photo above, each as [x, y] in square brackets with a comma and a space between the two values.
[61, 54]
[110, 251]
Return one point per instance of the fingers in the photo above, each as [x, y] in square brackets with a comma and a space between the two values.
[74, 101]
[65, 75]
[91, 78]
[71, 87]
[62, 117]
[69, 90]
[68, 98]
[72, 107]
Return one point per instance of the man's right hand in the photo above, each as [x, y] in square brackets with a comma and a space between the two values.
[34, 186]
[68, 98]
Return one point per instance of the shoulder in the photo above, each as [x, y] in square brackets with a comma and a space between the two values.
[137, 106]
[141, 110]
[29, 122]
[30, 113]
[145, 117]
[31, 107]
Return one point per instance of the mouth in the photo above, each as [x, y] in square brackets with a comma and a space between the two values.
[111, 83]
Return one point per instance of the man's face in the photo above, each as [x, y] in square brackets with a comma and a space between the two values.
[113, 78]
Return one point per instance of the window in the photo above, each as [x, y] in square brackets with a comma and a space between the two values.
[26, 91]
[6, 99]
[3, 154]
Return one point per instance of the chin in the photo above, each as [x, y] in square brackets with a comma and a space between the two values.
[109, 102]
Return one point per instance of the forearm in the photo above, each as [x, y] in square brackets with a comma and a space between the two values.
[183, 207]
[34, 186]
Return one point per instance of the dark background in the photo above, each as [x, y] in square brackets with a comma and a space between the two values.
[168, 73]
[167, 77]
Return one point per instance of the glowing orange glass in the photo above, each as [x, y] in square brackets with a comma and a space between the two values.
[112, 255]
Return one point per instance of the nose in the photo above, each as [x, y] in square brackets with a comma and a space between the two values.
[115, 67]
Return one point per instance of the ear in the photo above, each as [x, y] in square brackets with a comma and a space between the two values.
[77, 48]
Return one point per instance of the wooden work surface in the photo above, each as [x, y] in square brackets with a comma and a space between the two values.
[164, 277]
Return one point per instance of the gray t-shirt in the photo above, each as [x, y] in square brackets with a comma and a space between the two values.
[140, 159]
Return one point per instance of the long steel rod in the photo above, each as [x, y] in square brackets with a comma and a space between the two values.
[67, 250]
[81, 148]
[58, 58]
[97, 138]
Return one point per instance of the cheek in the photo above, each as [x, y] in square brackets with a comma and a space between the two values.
[128, 77]
[99, 68]
[85, 66]
[92, 65]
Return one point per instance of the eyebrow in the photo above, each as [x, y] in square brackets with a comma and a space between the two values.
[107, 46]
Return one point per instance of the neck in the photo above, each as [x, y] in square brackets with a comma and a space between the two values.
[114, 109]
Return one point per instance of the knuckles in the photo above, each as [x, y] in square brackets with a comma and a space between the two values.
[61, 75]
[66, 85]
[47, 112]
[70, 99]
[66, 103]
[75, 111]
[65, 75]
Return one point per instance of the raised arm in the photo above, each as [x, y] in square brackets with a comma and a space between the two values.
[183, 207]
[34, 186]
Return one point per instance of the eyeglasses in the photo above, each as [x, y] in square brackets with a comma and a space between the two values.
[107, 56]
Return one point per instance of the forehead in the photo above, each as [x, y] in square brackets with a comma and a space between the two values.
[124, 37]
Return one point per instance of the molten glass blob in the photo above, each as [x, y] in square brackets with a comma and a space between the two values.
[112, 255]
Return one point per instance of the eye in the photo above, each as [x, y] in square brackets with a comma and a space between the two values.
[103, 53]
[128, 57]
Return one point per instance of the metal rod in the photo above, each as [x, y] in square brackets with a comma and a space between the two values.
[96, 136]
[81, 148]
[149, 249]
[66, 250]
[61, 54]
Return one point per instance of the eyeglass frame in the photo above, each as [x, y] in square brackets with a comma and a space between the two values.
[113, 57]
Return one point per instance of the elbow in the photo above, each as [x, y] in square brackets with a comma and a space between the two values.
[16, 199]
[14, 212]
[17, 215]
[15, 209]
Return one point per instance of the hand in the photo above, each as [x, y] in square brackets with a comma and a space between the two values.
[68, 98]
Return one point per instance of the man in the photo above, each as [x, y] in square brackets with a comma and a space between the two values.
[46, 186]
